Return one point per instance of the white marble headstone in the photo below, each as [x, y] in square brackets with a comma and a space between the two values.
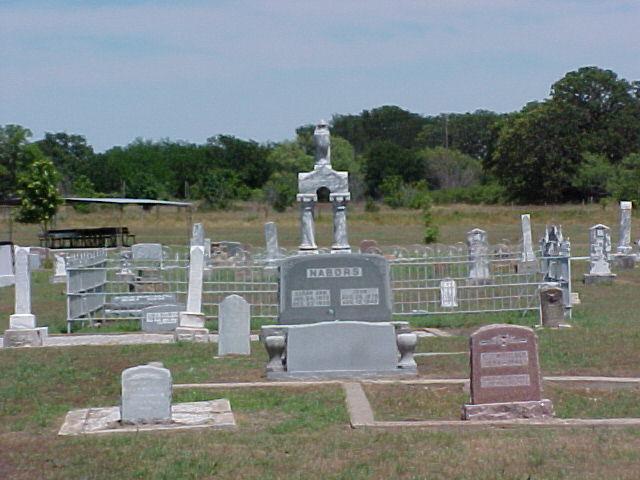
[234, 326]
[7, 276]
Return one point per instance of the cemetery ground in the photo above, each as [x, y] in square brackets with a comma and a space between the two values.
[304, 432]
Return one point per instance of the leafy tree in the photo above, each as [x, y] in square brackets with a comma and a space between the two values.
[13, 142]
[220, 187]
[450, 168]
[594, 176]
[384, 159]
[470, 133]
[70, 155]
[625, 183]
[247, 158]
[387, 123]
[39, 197]
[289, 157]
[280, 190]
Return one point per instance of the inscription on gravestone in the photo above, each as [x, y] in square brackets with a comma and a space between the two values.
[146, 394]
[160, 318]
[504, 365]
[323, 288]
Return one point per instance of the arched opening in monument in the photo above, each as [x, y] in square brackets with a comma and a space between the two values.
[323, 194]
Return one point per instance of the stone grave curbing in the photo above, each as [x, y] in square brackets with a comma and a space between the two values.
[505, 375]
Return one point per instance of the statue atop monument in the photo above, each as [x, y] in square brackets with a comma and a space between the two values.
[322, 142]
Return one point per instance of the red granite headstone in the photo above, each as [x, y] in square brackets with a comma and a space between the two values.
[504, 365]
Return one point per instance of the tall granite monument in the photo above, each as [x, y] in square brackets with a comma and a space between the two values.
[323, 176]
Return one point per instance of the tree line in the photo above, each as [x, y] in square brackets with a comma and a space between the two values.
[581, 143]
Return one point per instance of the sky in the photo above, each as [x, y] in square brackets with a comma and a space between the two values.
[188, 70]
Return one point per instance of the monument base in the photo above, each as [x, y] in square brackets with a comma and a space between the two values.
[341, 374]
[25, 337]
[22, 320]
[598, 279]
[191, 319]
[7, 280]
[540, 409]
[340, 250]
[624, 262]
[307, 251]
[191, 334]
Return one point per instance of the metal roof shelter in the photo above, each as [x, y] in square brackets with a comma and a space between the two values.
[145, 203]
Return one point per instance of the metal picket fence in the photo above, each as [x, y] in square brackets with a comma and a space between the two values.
[424, 281]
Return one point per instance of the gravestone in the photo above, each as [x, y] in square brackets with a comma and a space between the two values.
[528, 262]
[146, 394]
[7, 276]
[160, 318]
[448, 293]
[271, 240]
[60, 271]
[340, 349]
[35, 262]
[551, 307]
[140, 301]
[328, 287]
[207, 248]
[234, 326]
[197, 235]
[370, 246]
[22, 324]
[505, 375]
[191, 326]
[147, 252]
[624, 257]
[599, 251]
[478, 256]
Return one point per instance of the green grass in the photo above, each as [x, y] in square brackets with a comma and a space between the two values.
[303, 433]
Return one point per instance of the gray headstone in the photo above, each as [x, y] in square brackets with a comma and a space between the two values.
[196, 272]
[234, 326]
[271, 240]
[147, 252]
[35, 262]
[140, 301]
[599, 250]
[197, 235]
[146, 394]
[527, 241]
[350, 348]
[160, 318]
[7, 276]
[478, 255]
[624, 244]
[551, 306]
[323, 288]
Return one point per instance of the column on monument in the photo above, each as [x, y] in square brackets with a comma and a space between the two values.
[340, 238]
[307, 228]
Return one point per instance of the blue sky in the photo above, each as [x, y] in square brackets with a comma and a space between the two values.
[117, 70]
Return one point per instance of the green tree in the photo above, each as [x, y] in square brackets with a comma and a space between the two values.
[625, 182]
[70, 154]
[13, 142]
[384, 159]
[280, 190]
[247, 158]
[37, 188]
[450, 168]
[220, 187]
[593, 178]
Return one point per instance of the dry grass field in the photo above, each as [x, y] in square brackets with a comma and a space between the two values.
[304, 433]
